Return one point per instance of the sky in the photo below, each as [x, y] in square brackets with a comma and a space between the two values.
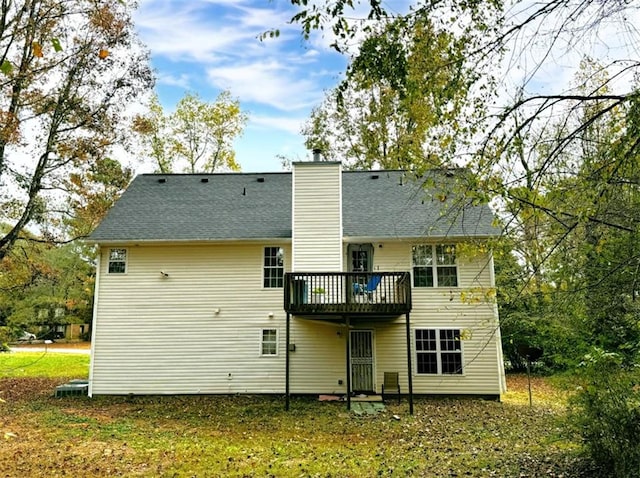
[207, 46]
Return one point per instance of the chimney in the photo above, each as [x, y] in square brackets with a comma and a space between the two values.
[317, 155]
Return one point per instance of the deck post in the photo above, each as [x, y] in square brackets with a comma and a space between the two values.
[286, 361]
[348, 363]
[409, 375]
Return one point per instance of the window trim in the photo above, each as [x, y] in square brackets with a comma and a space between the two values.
[275, 342]
[111, 261]
[434, 266]
[438, 353]
[270, 267]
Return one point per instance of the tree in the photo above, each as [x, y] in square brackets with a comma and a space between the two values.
[538, 32]
[43, 284]
[93, 192]
[67, 71]
[405, 99]
[573, 225]
[152, 129]
[197, 137]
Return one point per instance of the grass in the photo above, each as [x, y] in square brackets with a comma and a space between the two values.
[254, 436]
[41, 364]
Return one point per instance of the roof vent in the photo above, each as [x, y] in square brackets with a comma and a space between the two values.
[317, 154]
[375, 176]
[162, 180]
[204, 180]
[260, 180]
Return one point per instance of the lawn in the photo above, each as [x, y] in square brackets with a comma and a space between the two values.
[40, 364]
[254, 436]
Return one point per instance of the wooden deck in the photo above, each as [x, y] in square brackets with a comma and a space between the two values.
[357, 294]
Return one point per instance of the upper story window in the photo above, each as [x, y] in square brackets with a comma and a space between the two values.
[435, 265]
[117, 261]
[273, 267]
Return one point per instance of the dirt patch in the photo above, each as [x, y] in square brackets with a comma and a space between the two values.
[22, 389]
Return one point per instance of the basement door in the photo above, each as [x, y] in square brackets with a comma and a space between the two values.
[362, 361]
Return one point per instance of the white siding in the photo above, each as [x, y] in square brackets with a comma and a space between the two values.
[317, 217]
[319, 360]
[198, 330]
[468, 307]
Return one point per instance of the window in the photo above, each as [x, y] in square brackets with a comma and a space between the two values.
[117, 261]
[269, 344]
[423, 266]
[435, 266]
[273, 267]
[438, 351]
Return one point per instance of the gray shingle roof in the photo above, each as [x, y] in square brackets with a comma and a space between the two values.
[244, 206]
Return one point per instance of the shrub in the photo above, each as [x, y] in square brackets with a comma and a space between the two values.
[4, 339]
[606, 413]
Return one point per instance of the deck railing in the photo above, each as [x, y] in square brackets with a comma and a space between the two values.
[345, 293]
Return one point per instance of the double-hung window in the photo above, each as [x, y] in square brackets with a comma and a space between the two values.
[269, 342]
[273, 275]
[434, 265]
[117, 261]
[438, 351]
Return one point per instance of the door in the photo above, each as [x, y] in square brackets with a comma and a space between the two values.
[362, 361]
[360, 257]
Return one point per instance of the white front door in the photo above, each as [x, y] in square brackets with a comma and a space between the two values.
[362, 361]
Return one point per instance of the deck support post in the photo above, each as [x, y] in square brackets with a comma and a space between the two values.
[286, 361]
[409, 374]
[348, 341]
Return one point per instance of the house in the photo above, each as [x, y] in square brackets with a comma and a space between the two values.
[314, 281]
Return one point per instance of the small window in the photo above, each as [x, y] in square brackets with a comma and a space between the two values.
[269, 344]
[117, 261]
[273, 267]
[438, 352]
[434, 265]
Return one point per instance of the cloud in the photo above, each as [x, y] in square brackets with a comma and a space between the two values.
[181, 80]
[184, 34]
[287, 124]
[220, 38]
[207, 31]
[269, 82]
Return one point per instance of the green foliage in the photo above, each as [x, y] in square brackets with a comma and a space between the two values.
[340, 18]
[536, 315]
[606, 414]
[570, 201]
[197, 137]
[5, 337]
[403, 101]
[41, 284]
[93, 192]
